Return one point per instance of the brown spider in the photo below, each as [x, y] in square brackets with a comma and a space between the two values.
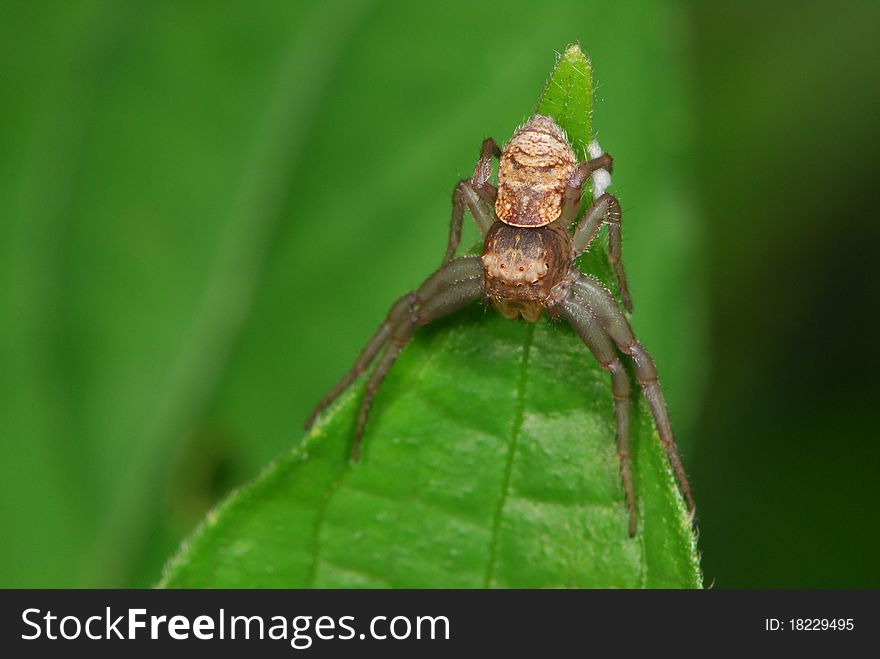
[528, 265]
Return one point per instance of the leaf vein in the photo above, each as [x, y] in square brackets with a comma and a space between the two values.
[357, 572]
[432, 506]
[508, 468]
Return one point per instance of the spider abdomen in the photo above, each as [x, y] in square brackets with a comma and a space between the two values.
[533, 171]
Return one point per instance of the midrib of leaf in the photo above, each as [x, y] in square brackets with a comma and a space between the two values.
[232, 280]
[516, 429]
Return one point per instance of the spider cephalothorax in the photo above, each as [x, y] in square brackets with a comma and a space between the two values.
[528, 265]
[521, 267]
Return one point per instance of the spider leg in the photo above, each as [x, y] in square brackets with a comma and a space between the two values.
[447, 290]
[571, 201]
[600, 345]
[477, 194]
[398, 310]
[604, 209]
[592, 295]
[450, 288]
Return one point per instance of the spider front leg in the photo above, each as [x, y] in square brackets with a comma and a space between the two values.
[399, 310]
[600, 345]
[477, 194]
[597, 302]
[450, 288]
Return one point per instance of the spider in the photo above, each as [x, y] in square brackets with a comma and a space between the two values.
[528, 266]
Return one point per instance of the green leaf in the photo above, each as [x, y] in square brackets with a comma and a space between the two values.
[489, 460]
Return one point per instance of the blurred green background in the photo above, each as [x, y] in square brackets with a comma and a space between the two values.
[205, 209]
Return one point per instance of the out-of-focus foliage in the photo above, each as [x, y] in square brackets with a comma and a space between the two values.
[787, 455]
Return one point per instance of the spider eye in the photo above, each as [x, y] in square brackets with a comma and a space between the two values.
[503, 266]
[522, 268]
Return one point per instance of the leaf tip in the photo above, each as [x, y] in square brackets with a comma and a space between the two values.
[568, 95]
[574, 50]
[575, 55]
